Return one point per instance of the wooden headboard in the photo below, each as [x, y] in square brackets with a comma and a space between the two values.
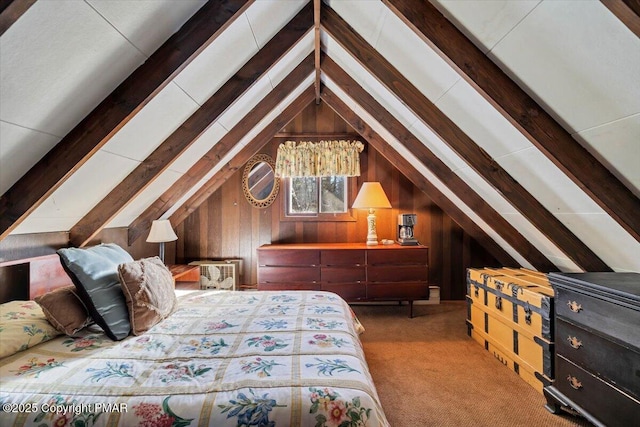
[27, 278]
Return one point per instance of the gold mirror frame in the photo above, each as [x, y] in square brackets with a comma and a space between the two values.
[268, 200]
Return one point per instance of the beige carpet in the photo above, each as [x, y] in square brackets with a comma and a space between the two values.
[428, 372]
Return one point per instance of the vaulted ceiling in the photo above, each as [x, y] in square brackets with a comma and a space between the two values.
[521, 119]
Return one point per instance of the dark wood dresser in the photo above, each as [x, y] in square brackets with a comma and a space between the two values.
[354, 271]
[597, 362]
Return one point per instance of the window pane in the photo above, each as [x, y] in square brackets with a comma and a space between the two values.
[303, 196]
[333, 197]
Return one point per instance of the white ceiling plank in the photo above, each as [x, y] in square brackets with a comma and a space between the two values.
[20, 149]
[54, 76]
[84, 189]
[551, 187]
[579, 61]
[411, 56]
[283, 67]
[218, 62]
[144, 199]
[147, 24]
[476, 117]
[200, 146]
[617, 145]
[267, 18]
[365, 16]
[485, 22]
[154, 123]
[606, 238]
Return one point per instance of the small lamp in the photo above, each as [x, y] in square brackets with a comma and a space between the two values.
[161, 231]
[371, 196]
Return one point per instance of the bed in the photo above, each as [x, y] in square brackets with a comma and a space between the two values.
[220, 358]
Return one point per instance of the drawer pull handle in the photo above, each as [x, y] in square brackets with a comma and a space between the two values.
[574, 342]
[499, 303]
[574, 306]
[574, 382]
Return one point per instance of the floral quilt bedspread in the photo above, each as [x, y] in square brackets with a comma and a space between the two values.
[222, 359]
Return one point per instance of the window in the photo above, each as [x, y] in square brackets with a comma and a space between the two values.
[317, 198]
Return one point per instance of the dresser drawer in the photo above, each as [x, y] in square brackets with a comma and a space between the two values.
[615, 363]
[343, 274]
[397, 257]
[400, 273]
[590, 394]
[608, 317]
[288, 257]
[342, 257]
[288, 286]
[402, 291]
[348, 291]
[288, 274]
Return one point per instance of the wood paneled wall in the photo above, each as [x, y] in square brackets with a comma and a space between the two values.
[227, 226]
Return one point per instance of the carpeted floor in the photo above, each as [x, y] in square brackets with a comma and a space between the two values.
[428, 372]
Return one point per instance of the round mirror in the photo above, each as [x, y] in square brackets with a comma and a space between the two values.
[259, 182]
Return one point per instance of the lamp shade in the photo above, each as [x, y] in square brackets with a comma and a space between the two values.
[371, 196]
[161, 231]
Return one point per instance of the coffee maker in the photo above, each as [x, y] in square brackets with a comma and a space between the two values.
[405, 237]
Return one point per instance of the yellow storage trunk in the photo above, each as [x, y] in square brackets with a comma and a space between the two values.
[514, 363]
[510, 314]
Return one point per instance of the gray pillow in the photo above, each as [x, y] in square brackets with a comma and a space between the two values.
[94, 272]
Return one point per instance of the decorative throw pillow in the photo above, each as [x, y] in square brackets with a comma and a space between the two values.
[149, 290]
[94, 272]
[64, 310]
[23, 325]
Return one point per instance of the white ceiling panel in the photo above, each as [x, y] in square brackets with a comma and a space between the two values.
[201, 145]
[617, 145]
[149, 195]
[146, 23]
[565, 265]
[437, 147]
[245, 103]
[53, 77]
[477, 118]
[20, 149]
[365, 16]
[218, 62]
[153, 124]
[301, 50]
[485, 22]
[94, 180]
[547, 183]
[486, 191]
[267, 17]
[584, 87]
[411, 56]
[606, 238]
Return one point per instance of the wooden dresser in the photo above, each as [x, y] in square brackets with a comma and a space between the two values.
[354, 271]
[597, 358]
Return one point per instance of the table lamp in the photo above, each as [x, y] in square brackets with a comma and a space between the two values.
[161, 232]
[371, 196]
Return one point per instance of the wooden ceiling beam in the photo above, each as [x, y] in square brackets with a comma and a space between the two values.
[238, 161]
[522, 111]
[182, 138]
[316, 29]
[627, 11]
[115, 111]
[11, 11]
[466, 148]
[143, 223]
[457, 185]
[419, 180]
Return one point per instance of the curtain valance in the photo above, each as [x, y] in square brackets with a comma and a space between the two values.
[324, 158]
